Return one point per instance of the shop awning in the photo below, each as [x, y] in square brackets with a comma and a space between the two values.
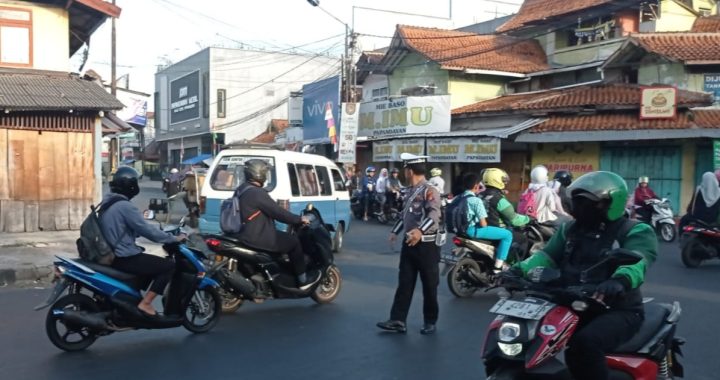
[197, 159]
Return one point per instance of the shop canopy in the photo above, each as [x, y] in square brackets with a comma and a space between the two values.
[197, 159]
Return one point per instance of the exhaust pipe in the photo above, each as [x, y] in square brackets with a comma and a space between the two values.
[238, 282]
[95, 321]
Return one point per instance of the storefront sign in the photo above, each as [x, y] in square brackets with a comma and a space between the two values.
[578, 158]
[316, 97]
[712, 85]
[391, 150]
[295, 108]
[383, 151]
[185, 98]
[716, 154]
[478, 150]
[658, 103]
[348, 137]
[402, 115]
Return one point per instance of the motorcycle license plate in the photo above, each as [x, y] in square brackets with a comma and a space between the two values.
[529, 308]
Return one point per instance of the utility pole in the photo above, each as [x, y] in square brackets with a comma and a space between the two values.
[113, 91]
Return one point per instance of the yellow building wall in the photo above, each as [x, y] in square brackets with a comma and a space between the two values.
[674, 17]
[475, 89]
[50, 35]
[577, 158]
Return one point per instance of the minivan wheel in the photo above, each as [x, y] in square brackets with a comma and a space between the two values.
[338, 239]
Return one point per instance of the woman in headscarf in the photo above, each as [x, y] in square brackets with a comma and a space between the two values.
[643, 193]
[705, 206]
[382, 182]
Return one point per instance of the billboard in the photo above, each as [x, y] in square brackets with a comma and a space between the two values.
[316, 97]
[466, 149]
[185, 98]
[403, 115]
[349, 135]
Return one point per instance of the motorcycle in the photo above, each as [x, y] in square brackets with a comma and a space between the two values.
[662, 219]
[101, 300]
[699, 243]
[248, 274]
[389, 213]
[470, 264]
[523, 341]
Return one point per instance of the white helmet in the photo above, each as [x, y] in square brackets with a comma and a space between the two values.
[173, 171]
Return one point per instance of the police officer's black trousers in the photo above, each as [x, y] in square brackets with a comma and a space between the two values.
[585, 356]
[424, 259]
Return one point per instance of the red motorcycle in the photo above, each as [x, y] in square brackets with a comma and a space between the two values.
[524, 340]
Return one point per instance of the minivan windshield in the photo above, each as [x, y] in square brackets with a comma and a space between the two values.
[228, 173]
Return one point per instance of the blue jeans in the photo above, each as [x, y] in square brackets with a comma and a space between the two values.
[493, 233]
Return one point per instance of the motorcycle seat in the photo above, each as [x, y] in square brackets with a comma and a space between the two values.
[655, 316]
[136, 282]
[241, 252]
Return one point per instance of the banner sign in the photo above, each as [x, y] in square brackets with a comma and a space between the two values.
[316, 97]
[185, 98]
[477, 150]
[403, 115]
[712, 85]
[716, 154]
[295, 109]
[348, 137]
[658, 103]
[577, 158]
[391, 150]
[383, 151]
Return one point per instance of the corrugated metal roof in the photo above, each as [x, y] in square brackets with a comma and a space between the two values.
[35, 90]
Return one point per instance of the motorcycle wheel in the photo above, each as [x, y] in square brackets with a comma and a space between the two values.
[329, 286]
[203, 311]
[230, 302]
[667, 232]
[64, 339]
[690, 253]
[458, 286]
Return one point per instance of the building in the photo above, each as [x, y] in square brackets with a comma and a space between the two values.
[221, 95]
[53, 121]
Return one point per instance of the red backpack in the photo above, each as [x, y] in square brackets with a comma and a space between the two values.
[527, 205]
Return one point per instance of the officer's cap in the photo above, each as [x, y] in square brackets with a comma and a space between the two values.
[412, 159]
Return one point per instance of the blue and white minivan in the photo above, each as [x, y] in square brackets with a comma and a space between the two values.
[295, 179]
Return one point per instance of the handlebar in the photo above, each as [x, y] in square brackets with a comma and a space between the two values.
[560, 295]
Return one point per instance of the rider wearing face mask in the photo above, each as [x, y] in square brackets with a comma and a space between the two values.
[598, 200]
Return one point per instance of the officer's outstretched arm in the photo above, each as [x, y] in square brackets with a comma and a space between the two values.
[642, 239]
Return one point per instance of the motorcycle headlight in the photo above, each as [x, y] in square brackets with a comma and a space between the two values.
[510, 349]
[508, 332]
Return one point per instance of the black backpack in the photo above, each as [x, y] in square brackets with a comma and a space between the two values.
[231, 219]
[456, 215]
[92, 244]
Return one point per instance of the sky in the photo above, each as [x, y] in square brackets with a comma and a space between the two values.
[155, 32]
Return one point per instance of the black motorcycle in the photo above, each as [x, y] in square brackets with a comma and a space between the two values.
[699, 243]
[250, 274]
[385, 211]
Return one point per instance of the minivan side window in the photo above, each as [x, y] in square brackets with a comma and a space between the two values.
[308, 180]
[325, 186]
[338, 180]
[293, 180]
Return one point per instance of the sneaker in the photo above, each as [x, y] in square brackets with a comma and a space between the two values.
[390, 325]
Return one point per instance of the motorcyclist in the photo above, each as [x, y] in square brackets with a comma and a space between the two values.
[436, 180]
[598, 207]
[644, 193]
[394, 186]
[368, 190]
[176, 179]
[501, 212]
[121, 224]
[545, 205]
[565, 178]
[260, 213]
[381, 188]
[704, 205]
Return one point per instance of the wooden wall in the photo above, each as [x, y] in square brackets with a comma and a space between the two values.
[46, 179]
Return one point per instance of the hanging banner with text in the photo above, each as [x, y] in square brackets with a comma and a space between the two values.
[402, 115]
[348, 135]
[391, 150]
[477, 150]
[716, 154]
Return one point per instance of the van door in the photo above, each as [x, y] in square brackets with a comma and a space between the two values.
[342, 199]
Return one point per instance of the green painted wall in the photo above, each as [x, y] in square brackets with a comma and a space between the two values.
[415, 70]
[662, 73]
[475, 88]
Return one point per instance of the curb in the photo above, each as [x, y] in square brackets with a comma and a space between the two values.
[24, 273]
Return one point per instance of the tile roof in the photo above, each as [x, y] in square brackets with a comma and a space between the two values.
[464, 50]
[598, 96]
[684, 47]
[707, 24]
[36, 90]
[276, 126]
[533, 11]
[701, 118]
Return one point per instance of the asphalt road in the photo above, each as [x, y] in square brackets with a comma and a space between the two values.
[300, 340]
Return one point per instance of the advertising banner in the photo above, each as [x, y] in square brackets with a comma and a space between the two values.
[348, 137]
[295, 109]
[712, 85]
[716, 154]
[403, 115]
[317, 97]
[658, 103]
[577, 158]
[185, 98]
[477, 150]
[383, 151]
[391, 150]
[135, 111]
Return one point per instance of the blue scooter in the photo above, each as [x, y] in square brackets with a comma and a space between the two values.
[101, 300]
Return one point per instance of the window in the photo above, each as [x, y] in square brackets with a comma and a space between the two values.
[338, 180]
[228, 174]
[308, 181]
[325, 185]
[15, 37]
[380, 92]
[419, 90]
[221, 95]
[705, 12]
[293, 181]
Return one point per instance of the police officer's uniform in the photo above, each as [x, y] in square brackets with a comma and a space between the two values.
[421, 210]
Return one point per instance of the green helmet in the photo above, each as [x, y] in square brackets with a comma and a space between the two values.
[603, 185]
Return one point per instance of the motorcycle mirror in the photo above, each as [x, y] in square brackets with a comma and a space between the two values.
[309, 207]
[149, 214]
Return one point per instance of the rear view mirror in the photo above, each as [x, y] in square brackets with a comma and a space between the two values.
[622, 256]
[149, 214]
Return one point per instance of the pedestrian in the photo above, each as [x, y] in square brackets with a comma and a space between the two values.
[419, 254]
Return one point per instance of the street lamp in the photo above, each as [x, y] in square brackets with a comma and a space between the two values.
[346, 59]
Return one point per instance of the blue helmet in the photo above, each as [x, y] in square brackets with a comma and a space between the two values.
[369, 169]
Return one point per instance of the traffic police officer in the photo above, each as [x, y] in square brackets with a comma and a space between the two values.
[419, 254]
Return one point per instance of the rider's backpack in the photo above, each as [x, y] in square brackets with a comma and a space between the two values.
[231, 221]
[527, 204]
[456, 215]
[92, 245]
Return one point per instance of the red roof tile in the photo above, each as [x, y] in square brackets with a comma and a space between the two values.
[599, 96]
[708, 24]
[705, 118]
[464, 50]
[682, 46]
[276, 126]
[533, 11]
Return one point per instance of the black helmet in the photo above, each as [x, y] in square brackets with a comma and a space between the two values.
[564, 177]
[256, 170]
[394, 170]
[125, 182]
